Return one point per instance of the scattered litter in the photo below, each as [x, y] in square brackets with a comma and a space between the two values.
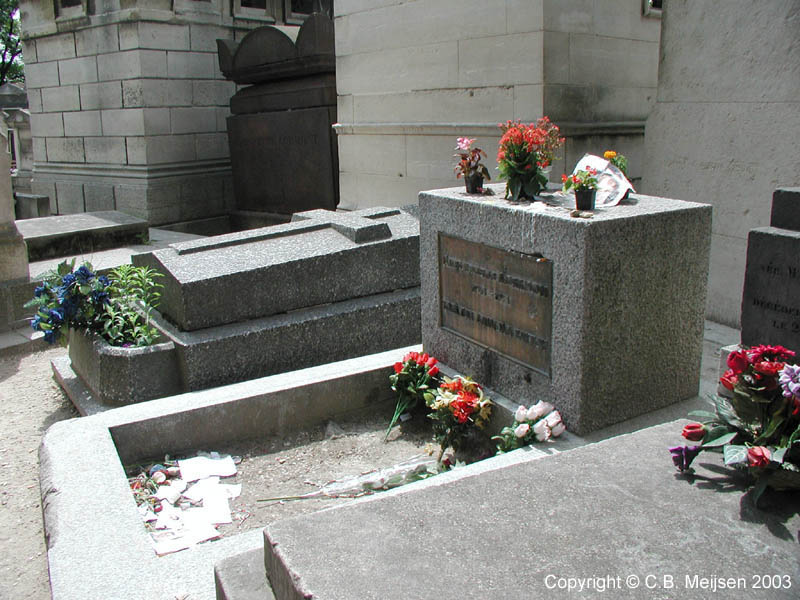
[179, 515]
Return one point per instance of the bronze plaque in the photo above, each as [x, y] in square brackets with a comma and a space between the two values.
[500, 299]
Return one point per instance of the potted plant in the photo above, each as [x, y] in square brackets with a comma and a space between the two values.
[469, 165]
[584, 183]
[524, 152]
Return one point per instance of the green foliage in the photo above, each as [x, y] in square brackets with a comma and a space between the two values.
[134, 294]
[11, 67]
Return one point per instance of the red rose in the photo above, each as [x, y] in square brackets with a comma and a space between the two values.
[431, 361]
[434, 370]
[738, 361]
[729, 379]
[410, 356]
[758, 456]
[422, 359]
[398, 366]
[694, 432]
[769, 368]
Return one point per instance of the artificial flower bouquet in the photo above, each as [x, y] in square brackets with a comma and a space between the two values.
[756, 428]
[539, 423]
[523, 153]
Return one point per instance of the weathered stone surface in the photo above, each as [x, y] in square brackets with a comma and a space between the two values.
[628, 528]
[266, 146]
[771, 296]
[308, 92]
[63, 235]
[319, 257]
[30, 206]
[628, 290]
[242, 577]
[119, 376]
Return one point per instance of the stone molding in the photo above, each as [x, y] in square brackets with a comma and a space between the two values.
[568, 128]
[145, 172]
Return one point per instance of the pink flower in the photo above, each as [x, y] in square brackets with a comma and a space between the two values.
[539, 410]
[521, 414]
[553, 419]
[542, 431]
[558, 429]
[522, 430]
[463, 143]
[758, 456]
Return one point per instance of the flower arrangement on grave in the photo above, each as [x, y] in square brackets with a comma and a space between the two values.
[414, 381]
[584, 183]
[756, 428]
[117, 306]
[618, 160]
[469, 165]
[523, 153]
[457, 408]
[539, 423]
[582, 180]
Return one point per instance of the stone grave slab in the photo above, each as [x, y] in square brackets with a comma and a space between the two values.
[320, 257]
[326, 286]
[81, 233]
[771, 294]
[601, 316]
[612, 515]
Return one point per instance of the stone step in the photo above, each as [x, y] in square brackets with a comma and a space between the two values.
[83, 233]
[612, 515]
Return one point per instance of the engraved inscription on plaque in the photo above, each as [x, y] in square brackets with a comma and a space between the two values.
[497, 298]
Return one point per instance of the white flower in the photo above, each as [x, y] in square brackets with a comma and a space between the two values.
[553, 419]
[542, 431]
[539, 410]
[558, 429]
[521, 414]
[522, 430]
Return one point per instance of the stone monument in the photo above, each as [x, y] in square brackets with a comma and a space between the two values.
[324, 287]
[602, 316]
[283, 151]
[771, 296]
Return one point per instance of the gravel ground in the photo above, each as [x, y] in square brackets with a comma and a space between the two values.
[32, 402]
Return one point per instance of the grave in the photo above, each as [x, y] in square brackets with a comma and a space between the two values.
[580, 312]
[80, 233]
[324, 287]
[283, 152]
[771, 295]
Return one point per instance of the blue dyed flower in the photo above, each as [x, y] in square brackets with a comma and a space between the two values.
[68, 281]
[56, 316]
[39, 291]
[104, 281]
[50, 336]
[83, 275]
[99, 297]
[683, 456]
[36, 322]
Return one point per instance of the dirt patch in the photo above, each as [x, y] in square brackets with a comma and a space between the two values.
[31, 401]
[305, 461]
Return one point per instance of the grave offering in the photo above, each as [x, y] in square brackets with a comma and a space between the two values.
[601, 317]
[283, 152]
[771, 296]
[323, 287]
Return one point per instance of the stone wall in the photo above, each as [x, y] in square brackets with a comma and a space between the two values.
[724, 129]
[412, 76]
[128, 105]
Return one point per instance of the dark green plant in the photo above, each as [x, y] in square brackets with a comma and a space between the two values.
[134, 294]
[11, 67]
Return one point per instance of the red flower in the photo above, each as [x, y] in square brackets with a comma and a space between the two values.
[758, 456]
[738, 361]
[431, 361]
[769, 368]
[398, 366]
[694, 432]
[422, 359]
[729, 379]
[434, 370]
[461, 410]
[410, 356]
[770, 353]
[454, 386]
[796, 409]
[564, 178]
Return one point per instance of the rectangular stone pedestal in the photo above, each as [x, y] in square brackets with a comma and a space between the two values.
[601, 316]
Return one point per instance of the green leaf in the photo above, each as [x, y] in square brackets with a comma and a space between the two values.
[777, 455]
[703, 414]
[718, 438]
[726, 413]
[515, 185]
[774, 424]
[734, 455]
